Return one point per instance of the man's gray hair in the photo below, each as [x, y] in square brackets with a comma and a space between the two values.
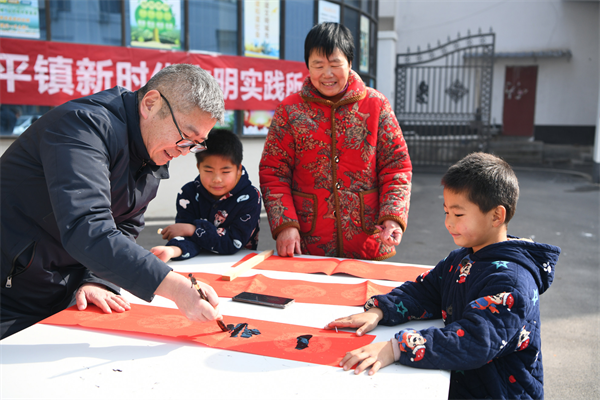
[187, 86]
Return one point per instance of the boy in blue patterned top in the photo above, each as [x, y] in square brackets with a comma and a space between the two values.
[487, 293]
[219, 211]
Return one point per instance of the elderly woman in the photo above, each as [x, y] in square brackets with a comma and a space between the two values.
[335, 172]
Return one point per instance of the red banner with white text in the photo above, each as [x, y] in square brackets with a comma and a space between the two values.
[46, 73]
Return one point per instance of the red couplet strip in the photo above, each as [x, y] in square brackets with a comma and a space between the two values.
[337, 294]
[266, 338]
[330, 266]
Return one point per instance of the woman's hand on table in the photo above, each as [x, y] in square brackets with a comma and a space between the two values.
[390, 232]
[365, 322]
[99, 295]
[375, 355]
[288, 242]
[179, 289]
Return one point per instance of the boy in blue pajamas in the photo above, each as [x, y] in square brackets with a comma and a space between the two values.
[218, 212]
[487, 293]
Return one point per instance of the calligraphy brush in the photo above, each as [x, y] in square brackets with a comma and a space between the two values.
[203, 297]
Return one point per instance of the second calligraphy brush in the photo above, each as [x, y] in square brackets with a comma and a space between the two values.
[203, 297]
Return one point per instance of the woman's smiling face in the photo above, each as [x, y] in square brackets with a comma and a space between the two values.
[329, 75]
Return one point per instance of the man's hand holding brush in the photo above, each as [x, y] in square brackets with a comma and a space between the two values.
[178, 289]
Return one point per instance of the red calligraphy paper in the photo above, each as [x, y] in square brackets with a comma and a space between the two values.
[337, 294]
[266, 338]
[330, 266]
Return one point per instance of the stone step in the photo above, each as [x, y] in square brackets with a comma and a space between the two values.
[518, 151]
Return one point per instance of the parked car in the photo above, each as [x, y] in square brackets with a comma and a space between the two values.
[23, 123]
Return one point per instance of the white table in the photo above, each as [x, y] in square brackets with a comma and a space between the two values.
[52, 362]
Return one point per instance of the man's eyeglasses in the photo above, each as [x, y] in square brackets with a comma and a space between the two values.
[195, 147]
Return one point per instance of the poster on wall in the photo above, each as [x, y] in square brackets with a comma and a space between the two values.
[364, 44]
[20, 19]
[329, 12]
[155, 23]
[228, 121]
[257, 122]
[261, 28]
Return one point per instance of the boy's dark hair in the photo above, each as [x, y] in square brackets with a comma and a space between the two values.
[328, 36]
[486, 180]
[222, 142]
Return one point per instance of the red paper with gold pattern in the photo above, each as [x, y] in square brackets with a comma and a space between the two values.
[290, 342]
[330, 266]
[337, 294]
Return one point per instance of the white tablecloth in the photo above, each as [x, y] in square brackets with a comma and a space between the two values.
[53, 362]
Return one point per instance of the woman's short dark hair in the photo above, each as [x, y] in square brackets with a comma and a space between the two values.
[486, 180]
[222, 142]
[328, 36]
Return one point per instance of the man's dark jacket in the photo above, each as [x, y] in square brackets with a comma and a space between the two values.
[74, 188]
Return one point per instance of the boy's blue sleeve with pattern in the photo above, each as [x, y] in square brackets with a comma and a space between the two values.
[412, 300]
[230, 236]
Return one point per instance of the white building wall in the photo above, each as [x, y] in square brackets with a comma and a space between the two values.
[567, 89]
[386, 55]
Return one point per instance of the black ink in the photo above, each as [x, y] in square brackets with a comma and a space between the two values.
[247, 333]
[303, 342]
[237, 329]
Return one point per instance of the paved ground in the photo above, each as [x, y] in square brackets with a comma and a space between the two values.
[556, 207]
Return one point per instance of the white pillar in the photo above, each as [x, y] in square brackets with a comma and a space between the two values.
[597, 146]
[386, 64]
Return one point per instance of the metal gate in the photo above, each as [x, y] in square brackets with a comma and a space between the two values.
[443, 98]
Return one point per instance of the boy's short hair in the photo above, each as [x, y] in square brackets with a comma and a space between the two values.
[222, 142]
[328, 36]
[486, 180]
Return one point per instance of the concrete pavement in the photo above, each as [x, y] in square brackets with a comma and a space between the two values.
[558, 207]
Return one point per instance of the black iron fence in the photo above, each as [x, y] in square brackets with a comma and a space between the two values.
[443, 98]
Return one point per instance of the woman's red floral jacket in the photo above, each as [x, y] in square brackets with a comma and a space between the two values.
[334, 171]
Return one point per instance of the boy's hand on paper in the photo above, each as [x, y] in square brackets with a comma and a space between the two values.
[365, 322]
[179, 229]
[288, 242]
[165, 253]
[390, 232]
[375, 355]
[100, 296]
